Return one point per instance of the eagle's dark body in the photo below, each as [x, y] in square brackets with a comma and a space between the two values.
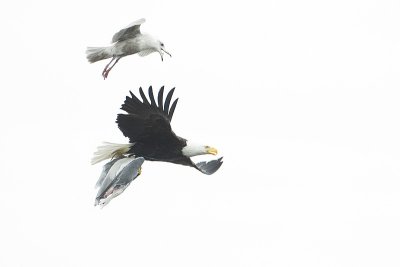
[147, 125]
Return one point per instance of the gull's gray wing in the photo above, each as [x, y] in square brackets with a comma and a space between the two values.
[128, 32]
[121, 172]
[209, 167]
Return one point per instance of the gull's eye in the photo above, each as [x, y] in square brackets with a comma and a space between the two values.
[162, 44]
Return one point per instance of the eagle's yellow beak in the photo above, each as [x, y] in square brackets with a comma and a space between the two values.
[211, 150]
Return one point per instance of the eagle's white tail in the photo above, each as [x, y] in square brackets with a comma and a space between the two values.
[94, 54]
[110, 150]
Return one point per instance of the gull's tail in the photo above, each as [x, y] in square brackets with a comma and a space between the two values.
[110, 150]
[94, 54]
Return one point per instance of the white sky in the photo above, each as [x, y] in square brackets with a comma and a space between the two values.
[301, 98]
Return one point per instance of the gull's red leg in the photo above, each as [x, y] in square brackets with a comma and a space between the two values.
[105, 68]
[105, 75]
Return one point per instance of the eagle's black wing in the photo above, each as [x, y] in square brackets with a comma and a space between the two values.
[146, 120]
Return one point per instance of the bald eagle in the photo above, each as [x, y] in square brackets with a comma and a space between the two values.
[147, 124]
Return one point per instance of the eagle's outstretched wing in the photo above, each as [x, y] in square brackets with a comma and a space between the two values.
[147, 120]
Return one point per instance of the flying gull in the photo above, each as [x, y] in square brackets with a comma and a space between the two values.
[127, 41]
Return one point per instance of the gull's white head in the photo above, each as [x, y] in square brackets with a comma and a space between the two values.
[192, 149]
[161, 49]
[151, 44]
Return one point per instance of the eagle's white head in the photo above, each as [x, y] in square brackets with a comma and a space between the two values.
[193, 149]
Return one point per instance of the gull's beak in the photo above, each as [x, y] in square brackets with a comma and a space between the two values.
[212, 151]
[166, 52]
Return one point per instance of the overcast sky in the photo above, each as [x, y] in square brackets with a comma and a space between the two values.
[300, 97]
